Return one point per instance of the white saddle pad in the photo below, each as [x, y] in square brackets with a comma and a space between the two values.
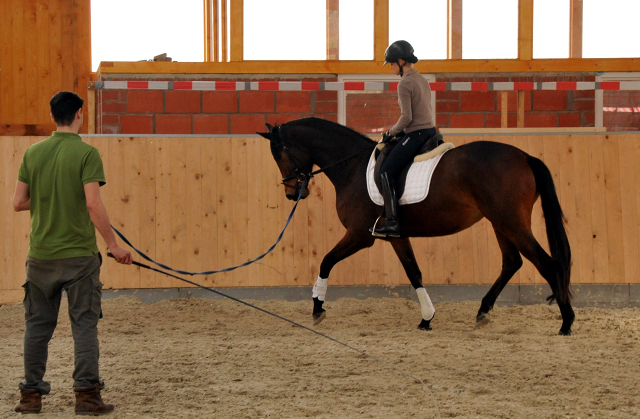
[418, 178]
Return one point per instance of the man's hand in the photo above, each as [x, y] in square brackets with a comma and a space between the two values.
[121, 255]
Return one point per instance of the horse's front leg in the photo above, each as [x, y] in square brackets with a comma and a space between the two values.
[404, 251]
[350, 243]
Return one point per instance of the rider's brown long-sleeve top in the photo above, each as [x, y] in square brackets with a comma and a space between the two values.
[414, 98]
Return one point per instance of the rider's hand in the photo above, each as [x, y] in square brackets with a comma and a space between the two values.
[386, 137]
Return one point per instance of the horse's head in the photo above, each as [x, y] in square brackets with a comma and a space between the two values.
[294, 164]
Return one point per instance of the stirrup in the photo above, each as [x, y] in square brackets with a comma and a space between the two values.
[376, 234]
[373, 229]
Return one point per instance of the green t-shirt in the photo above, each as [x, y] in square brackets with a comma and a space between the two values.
[56, 171]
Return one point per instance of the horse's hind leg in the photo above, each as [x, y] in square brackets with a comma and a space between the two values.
[511, 262]
[551, 272]
[403, 249]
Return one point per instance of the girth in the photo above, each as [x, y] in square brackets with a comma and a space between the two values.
[400, 180]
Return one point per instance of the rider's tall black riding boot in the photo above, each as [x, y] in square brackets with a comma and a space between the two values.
[391, 227]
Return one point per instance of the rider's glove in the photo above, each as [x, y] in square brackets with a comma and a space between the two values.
[386, 137]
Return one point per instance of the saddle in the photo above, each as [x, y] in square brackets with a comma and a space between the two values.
[383, 152]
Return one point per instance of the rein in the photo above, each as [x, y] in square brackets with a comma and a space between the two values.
[249, 262]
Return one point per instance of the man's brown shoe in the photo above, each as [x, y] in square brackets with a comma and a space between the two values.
[89, 402]
[30, 401]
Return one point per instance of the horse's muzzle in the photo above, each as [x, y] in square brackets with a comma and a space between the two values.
[293, 192]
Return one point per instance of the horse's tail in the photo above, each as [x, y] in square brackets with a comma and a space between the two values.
[554, 221]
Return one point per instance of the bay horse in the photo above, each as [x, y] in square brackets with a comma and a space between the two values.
[477, 180]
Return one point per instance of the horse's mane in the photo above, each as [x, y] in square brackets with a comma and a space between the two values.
[328, 126]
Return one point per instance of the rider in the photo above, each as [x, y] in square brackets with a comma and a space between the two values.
[416, 126]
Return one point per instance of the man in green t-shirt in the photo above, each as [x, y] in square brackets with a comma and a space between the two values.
[59, 183]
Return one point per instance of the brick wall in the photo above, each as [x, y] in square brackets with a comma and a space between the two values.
[246, 111]
[208, 112]
[543, 108]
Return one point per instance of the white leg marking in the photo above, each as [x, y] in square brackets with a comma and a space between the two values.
[320, 288]
[425, 304]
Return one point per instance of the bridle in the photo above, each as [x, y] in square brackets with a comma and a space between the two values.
[302, 178]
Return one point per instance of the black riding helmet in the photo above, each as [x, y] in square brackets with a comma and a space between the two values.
[398, 50]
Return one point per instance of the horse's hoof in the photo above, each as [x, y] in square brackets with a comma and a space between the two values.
[482, 319]
[424, 325]
[564, 332]
[318, 317]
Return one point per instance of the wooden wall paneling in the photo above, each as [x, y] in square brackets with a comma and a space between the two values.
[6, 61]
[240, 208]
[567, 191]
[255, 207]
[56, 62]
[225, 208]
[32, 86]
[209, 210]
[164, 201]
[10, 220]
[131, 200]
[636, 167]
[614, 208]
[19, 79]
[115, 172]
[68, 48]
[180, 208]
[628, 183]
[147, 210]
[271, 190]
[582, 248]
[599, 210]
[195, 244]
[7, 178]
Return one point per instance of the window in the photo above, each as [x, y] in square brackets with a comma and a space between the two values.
[490, 29]
[551, 28]
[285, 30]
[423, 23]
[125, 30]
[610, 29]
[356, 30]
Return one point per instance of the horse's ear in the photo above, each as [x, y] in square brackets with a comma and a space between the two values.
[269, 127]
[266, 135]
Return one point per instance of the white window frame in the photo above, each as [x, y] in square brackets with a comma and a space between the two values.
[383, 78]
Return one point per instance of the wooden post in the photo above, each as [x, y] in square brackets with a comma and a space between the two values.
[216, 31]
[520, 108]
[575, 29]
[380, 29]
[207, 29]
[223, 31]
[504, 121]
[237, 30]
[333, 29]
[91, 107]
[454, 29]
[525, 29]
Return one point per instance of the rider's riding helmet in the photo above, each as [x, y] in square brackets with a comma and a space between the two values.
[398, 50]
